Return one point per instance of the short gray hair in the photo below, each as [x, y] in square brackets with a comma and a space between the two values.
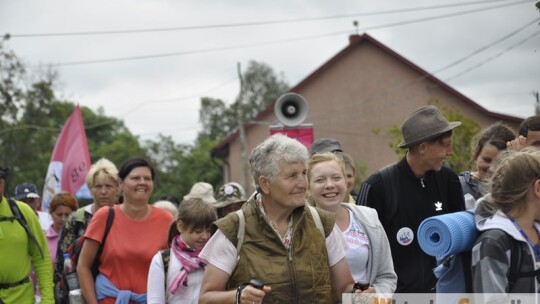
[264, 159]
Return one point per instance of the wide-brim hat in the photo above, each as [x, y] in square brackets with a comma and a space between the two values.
[203, 191]
[230, 193]
[424, 124]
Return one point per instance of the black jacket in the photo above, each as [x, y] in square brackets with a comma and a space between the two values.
[435, 194]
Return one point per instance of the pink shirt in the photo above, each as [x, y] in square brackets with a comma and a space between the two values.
[52, 241]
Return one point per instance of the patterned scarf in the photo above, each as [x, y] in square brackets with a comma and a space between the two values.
[287, 238]
[190, 261]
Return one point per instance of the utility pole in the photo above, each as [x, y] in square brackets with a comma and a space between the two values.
[243, 155]
[537, 97]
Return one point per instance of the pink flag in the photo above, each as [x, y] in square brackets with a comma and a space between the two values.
[70, 160]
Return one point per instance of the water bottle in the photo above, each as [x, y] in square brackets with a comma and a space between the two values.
[70, 273]
[75, 297]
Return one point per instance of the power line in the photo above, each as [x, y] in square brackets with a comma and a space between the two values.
[244, 24]
[445, 15]
[138, 106]
[200, 51]
[487, 46]
[25, 127]
[241, 46]
[420, 78]
[494, 56]
[145, 103]
[454, 63]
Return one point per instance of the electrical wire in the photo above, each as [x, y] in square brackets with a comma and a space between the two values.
[493, 57]
[428, 74]
[244, 24]
[487, 46]
[250, 45]
[138, 106]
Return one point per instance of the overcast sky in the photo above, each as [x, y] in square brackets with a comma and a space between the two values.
[161, 94]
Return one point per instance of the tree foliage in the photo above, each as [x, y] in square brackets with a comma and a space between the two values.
[31, 119]
[260, 86]
[461, 139]
[179, 166]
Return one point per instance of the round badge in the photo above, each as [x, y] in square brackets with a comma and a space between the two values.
[229, 190]
[405, 236]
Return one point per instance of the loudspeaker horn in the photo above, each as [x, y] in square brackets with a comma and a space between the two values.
[291, 109]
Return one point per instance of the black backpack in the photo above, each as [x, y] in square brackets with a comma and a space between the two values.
[74, 250]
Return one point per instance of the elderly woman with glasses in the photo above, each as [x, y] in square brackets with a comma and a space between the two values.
[284, 245]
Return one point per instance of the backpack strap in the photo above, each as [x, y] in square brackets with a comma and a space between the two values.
[79, 215]
[20, 218]
[165, 259]
[390, 180]
[516, 256]
[242, 226]
[317, 219]
[108, 225]
[515, 262]
[241, 231]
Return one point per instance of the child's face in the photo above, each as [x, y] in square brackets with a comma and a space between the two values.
[195, 238]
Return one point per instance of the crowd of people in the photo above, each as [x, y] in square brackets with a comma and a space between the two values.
[303, 235]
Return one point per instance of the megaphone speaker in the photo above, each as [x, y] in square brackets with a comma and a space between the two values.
[291, 109]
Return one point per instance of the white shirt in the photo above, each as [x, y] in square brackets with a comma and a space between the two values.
[357, 253]
[221, 253]
[45, 220]
[156, 294]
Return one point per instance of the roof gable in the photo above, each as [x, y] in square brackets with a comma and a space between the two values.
[356, 41]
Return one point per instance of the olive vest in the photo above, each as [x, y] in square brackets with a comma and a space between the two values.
[298, 275]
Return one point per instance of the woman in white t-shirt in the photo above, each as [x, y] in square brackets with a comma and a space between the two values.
[368, 253]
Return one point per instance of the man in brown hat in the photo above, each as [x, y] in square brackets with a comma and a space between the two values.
[415, 188]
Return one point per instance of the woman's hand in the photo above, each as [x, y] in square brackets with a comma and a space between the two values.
[252, 295]
[369, 290]
[517, 144]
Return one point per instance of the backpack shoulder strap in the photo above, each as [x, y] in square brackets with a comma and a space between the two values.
[166, 259]
[241, 231]
[390, 180]
[20, 218]
[108, 225]
[110, 220]
[79, 215]
[515, 262]
[317, 219]
[516, 258]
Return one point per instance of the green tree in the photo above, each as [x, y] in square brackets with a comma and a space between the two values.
[179, 166]
[461, 139]
[261, 86]
[31, 117]
[217, 119]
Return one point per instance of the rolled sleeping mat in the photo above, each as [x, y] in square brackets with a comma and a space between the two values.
[444, 235]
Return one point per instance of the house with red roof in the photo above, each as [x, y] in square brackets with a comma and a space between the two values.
[356, 97]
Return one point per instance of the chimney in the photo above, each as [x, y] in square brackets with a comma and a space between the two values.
[354, 38]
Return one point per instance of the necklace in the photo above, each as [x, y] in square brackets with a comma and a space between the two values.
[536, 249]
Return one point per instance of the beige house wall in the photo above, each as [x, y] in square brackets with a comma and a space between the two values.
[356, 99]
